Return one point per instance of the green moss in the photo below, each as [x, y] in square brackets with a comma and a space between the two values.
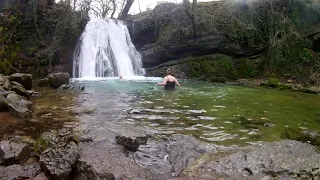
[273, 82]
[208, 68]
[285, 86]
[40, 145]
[225, 68]
[76, 138]
[308, 56]
[246, 70]
[218, 79]
[195, 70]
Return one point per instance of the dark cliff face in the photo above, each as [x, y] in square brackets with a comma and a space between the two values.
[165, 33]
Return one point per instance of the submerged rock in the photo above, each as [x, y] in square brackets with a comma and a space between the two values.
[58, 153]
[82, 110]
[24, 79]
[283, 159]
[17, 172]
[14, 152]
[58, 79]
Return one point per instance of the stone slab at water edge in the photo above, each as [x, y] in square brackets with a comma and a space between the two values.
[282, 159]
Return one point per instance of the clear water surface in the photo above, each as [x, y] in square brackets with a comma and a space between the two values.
[212, 112]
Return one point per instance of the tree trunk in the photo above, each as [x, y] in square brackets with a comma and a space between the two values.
[124, 13]
[114, 8]
[193, 19]
[290, 7]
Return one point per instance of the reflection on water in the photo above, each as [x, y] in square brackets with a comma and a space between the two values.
[217, 113]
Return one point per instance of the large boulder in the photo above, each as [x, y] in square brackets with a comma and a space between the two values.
[17, 172]
[3, 104]
[19, 89]
[24, 79]
[43, 82]
[283, 159]
[95, 163]
[3, 79]
[19, 107]
[58, 153]
[57, 79]
[14, 152]
[7, 85]
[4, 92]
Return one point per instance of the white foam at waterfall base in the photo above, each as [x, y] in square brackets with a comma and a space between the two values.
[105, 50]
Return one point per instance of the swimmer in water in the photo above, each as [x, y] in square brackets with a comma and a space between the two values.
[169, 82]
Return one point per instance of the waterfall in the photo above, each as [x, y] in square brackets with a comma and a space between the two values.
[105, 50]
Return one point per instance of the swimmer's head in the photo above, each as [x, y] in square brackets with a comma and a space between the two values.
[168, 72]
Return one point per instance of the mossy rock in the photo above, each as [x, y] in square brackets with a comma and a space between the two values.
[285, 86]
[273, 82]
[202, 78]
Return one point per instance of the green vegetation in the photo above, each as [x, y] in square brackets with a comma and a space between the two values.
[273, 82]
[209, 66]
[33, 34]
[40, 145]
[282, 37]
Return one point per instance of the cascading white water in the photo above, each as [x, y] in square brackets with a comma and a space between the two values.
[105, 50]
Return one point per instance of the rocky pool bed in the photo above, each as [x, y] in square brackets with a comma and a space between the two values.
[129, 129]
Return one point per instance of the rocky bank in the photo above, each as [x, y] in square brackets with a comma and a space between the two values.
[64, 155]
[228, 44]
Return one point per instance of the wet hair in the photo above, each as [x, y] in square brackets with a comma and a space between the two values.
[168, 72]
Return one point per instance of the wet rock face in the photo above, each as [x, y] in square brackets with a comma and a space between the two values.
[16, 172]
[24, 79]
[98, 160]
[58, 79]
[167, 157]
[58, 153]
[13, 152]
[284, 159]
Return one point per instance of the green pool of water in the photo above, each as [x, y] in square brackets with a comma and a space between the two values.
[218, 113]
